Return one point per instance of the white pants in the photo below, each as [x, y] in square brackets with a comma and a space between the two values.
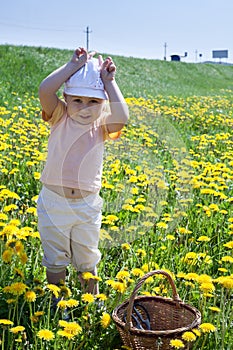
[69, 230]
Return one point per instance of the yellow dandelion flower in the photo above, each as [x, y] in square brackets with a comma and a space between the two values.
[36, 175]
[225, 281]
[184, 230]
[17, 246]
[39, 290]
[125, 246]
[119, 287]
[134, 190]
[229, 245]
[141, 200]
[31, 210]
[149, 280]
[87, 276]
[189, 284]
[62, 304]
[15, 222]
[45, 334]
[196, 332]
[71, 327]
[35, 198]
[65, 334]
[111, 218]
[145, 268]
[23, 258]
[214, 308]
[105, 320]
[72, 303]
[207, 327]
[190, 258]
[110, 282]
[39, 313]
[3, 217]
[189, 336]
[97, 278]
[101, 296]
[19, 272]
[17, 329]
[122, 275]
[222, 269]
[63, 323]
[9, 230]
[65, 291]
[11, 301]
[34, 319]
[203, 239]
[8, 194]
[133, 179]
[170, 237]
[207, 287]
[88, 298]
[140, 252]
[140, 207]
[7, 256]
[127, 207]
[177, 344]
[54, 289]
[30, 296]
[227, 258]
[181, 275]
[148, 293]
[204, 279]
[114, 228]
[6, 322]
[10, 207]
[214, 207]
[162, 225]
[191, 276]
[163, 203]
[16, 288]
[137, 272]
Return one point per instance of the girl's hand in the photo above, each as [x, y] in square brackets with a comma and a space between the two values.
[108, 69]
[81, 55]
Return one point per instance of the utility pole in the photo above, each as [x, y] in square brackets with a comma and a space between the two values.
[87, 31]
[165, 51]
[196, 52]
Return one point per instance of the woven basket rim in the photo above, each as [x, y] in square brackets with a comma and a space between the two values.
[151, 333]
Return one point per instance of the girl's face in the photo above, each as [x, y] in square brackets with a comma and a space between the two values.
[84, 110]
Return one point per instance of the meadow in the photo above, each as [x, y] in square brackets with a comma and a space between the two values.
[167, 188]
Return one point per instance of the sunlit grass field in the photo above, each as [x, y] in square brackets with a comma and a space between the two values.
[167, 188]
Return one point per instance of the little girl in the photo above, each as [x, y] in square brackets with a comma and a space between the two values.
[69, 206]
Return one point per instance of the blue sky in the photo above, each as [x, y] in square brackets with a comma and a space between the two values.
[122, 27]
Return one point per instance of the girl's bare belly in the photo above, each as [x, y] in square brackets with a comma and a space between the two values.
[68, 192]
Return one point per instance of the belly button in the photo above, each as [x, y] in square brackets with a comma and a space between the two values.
[72, 191]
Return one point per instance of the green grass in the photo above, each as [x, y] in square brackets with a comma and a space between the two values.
[24, 67]
[167, 189]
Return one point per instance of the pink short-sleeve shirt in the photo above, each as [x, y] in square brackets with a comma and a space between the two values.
[75, 152]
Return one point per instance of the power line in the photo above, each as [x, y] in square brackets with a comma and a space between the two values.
[66, 29]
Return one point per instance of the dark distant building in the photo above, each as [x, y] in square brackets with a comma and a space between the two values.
[175, 58]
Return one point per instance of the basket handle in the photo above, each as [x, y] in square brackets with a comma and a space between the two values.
[175, 295]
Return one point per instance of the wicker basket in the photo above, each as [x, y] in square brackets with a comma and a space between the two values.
[168, 318]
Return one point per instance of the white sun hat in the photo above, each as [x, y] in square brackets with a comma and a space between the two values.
[86, 81]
